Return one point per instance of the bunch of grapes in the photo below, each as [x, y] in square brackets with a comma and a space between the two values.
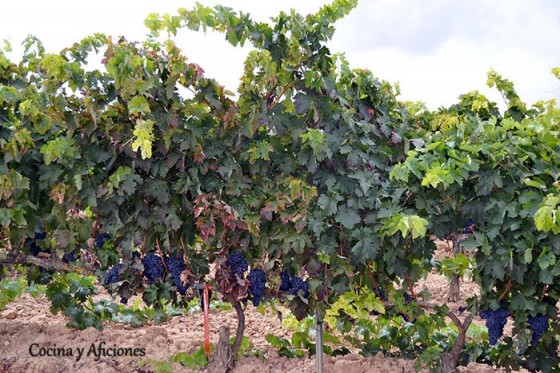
[237, 263]
[176, 265]
[153, 267]
[36, 249]
[297, 285]
[380, 293]
[286, 281]
[258, 284]
[539, 325]
[113, 274]
[69, 256]
[407, 298]
[495, 322]
[293, 284]
[100, 239]
[469, 227]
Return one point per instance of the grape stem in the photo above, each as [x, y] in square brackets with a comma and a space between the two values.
[545, 287]
[14, 258]
[184, 249]
[278, 97]
[410, 285]
[372, 277]
[144, 243]
[161, 255]
[506, 289]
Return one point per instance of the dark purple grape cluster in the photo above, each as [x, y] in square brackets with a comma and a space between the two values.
[70, 257]
[258, 284]
[153, 267]
[293, 284]
[407, 298]
[549, 300]
[380, 293]
[538, 325]
[176, 265]
[34, 248]
[40, 235]
[469, 227]
[297, 285]
[100, 239]
[286, 281]
[237, 263]
[495, 322]
[113, 274]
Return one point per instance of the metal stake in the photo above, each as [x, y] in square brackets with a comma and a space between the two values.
[319, 346]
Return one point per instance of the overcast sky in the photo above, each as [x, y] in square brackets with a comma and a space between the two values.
[435, 49]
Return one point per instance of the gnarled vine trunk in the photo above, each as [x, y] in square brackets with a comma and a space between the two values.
[454, 290]
[223, 360]
[450, 360]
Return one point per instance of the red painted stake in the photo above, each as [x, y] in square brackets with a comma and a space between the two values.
[206, 321]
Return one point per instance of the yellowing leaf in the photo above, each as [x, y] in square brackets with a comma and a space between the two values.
[436, 175]
[54, 65]
[144, 137]
[546, 217]
[58, 148]
[407, 224]
[537, 183]
[253, 224]
[414, 225]
[154, 23]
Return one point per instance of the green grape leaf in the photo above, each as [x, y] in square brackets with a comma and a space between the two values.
[348, 217]
[138, 105]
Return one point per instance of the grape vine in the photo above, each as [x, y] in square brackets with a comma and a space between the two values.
[315, 172]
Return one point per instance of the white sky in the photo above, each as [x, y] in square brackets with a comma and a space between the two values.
[435, 49]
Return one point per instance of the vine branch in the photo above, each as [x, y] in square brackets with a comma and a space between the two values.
[50, 264]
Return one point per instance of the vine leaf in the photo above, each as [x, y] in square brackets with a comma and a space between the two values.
[138, 105]
[144, 137]
[348, 217]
